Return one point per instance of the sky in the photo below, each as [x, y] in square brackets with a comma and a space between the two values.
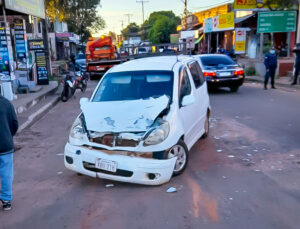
[113, 11]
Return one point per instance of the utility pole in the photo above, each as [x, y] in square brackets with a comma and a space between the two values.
[185, 13]
[143, 11]
[122, 24]
[128, 16]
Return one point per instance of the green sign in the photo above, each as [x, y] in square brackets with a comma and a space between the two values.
[276, 21]
[174, 38]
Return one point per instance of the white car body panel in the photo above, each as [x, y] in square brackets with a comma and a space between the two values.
[185, 123]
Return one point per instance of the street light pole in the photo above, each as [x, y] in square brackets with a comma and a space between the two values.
[128, 16]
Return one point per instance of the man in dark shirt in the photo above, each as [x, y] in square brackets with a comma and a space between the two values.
[296, 50]
[271, 65]
[8, 128]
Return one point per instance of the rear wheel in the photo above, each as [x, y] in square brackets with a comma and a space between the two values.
[234, 88]
[181, 152]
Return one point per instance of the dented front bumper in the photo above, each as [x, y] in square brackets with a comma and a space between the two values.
[130, 169]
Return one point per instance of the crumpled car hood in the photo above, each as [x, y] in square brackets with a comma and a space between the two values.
[123, 116]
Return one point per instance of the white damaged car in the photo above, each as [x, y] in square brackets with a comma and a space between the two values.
[141, 121]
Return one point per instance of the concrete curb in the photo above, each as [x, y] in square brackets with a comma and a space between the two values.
[39, 114]
[296, 87]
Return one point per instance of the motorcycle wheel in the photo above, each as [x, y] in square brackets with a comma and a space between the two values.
[65, 95]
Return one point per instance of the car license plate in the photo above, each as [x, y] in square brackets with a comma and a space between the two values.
[106, 165]
[224, 73]
[100, 69]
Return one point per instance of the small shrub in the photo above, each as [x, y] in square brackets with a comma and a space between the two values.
[250, 71]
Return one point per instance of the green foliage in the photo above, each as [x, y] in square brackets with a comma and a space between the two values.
[160, 25]
[131, 28]
[281, 4]
[80, 15]
[250, 71]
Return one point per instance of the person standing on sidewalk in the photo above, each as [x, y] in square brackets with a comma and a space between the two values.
[271, 65]
[296, 50]
[8, 128]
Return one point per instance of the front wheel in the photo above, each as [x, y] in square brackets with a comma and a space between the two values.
[181, 152]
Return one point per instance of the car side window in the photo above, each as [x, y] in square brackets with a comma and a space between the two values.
[196, 73]
[202, 78]
[185, 85]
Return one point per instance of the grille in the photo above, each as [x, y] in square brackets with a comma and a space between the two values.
[113, 140]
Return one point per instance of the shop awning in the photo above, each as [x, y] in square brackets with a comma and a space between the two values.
[241, 19]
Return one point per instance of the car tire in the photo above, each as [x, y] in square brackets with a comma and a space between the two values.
[206, 126]
[234, 88]
[179, 149]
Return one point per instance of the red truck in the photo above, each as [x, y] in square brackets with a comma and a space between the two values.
[101, 55]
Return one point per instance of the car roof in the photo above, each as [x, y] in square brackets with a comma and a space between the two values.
[160, 63]
[213, 55]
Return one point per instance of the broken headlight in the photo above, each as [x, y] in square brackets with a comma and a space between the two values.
[78, 129]
[157, 134]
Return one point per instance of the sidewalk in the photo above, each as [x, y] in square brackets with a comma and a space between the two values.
[281, 81]
[30, 107]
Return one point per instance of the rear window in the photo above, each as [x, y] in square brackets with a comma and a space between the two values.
[217, 60]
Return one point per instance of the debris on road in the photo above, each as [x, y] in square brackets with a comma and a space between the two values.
[249, 154]
[109, 185]
[257, 170]
[59, 173]
[255, 150]
[224, 177]
[230, 198]
[171, 190]
[292, 155]
[219, 150]
[59, 154]
[217, 138]
[230, 156]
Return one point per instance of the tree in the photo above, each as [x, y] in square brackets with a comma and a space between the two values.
[280, 4]
[80, 15]
[160, 25]
[131, 28]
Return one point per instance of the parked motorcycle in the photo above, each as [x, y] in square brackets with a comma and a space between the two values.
[72, 82]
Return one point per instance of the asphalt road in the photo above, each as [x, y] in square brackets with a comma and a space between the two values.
[244, 175]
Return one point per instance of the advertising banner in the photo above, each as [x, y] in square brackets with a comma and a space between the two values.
[276, 21]
[240, 40]
[21, 49]
[221, 22]
[174, 38]
[252, 5]
[4, 55]
[31, 7]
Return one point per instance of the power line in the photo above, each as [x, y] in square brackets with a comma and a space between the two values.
[213, 5]
[143, 2]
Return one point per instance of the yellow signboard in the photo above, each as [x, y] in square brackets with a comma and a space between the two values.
[240, 40]
[226, 21]
[252, 5]
[211, 13]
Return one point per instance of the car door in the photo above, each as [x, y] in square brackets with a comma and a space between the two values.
[201, 96]
[187, 113]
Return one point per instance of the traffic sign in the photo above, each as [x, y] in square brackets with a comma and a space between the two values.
[276, 21]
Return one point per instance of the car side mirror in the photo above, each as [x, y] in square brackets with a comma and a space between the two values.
[83, 101]
[187, 100]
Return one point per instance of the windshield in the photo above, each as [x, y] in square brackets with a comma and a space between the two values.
[217, 60]
[134, 86]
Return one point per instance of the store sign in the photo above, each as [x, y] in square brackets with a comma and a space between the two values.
[41, 68]
[252, 5]
[174, 38]
[276, 21]
[240, 40]
[221, 22]
[37, 44]
[31, 7]
[4, 55]
[20, 45]
[208, 25]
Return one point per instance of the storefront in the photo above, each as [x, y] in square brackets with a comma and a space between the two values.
[219, 32]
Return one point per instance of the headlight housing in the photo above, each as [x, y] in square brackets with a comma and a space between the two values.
[157, 134]
[78, 130]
